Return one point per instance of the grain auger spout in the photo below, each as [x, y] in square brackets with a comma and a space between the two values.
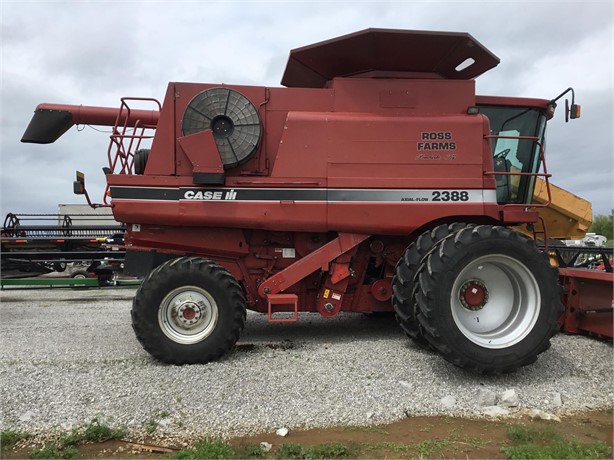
[51, 121]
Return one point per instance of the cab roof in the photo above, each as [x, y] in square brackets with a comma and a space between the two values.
[388, 53]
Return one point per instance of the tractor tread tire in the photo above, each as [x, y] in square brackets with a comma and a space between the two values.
[202, 273]
[434, 310]
[403, 283]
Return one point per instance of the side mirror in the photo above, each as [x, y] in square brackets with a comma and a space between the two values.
[572, 111]
[79, 184]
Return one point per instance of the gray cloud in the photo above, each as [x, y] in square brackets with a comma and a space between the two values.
[93, 53]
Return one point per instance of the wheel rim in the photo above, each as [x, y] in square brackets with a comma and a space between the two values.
[188, 314]
[495, 301]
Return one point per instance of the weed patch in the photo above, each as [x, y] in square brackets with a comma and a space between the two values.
[150, 426]
[317, 451]
[54, 452]
[329, 450]
[523, 434]
[8, 438]
[547, 443]
[290, 451]
[207, 450]
[560, 450]
[95, 431]
[250, 451]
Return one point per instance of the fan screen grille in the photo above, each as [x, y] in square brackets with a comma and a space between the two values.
[232, 118]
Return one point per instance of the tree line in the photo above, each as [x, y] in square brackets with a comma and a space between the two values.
[603, 225]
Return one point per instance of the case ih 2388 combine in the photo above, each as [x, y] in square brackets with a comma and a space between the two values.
[376, 179]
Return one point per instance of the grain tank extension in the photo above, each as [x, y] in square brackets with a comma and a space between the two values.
[375, 180]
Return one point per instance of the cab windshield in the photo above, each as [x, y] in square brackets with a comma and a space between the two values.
[512, 154]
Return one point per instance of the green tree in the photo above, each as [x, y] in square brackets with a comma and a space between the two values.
[603, 225]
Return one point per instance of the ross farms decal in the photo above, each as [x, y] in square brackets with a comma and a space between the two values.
[435, 140]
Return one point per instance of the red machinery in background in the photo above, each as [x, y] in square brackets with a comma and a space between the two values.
[376, 179]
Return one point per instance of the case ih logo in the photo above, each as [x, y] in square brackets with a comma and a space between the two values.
[210, 195]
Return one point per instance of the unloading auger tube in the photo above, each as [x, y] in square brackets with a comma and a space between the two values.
[375, 181]
[51, 121]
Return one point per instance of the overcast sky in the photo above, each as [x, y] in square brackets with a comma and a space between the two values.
[94, 53]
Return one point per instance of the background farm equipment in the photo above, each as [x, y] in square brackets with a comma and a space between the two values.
[75, 245]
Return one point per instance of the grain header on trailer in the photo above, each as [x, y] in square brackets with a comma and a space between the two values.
[376, 179]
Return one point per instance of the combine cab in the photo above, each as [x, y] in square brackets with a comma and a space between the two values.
[376, 180]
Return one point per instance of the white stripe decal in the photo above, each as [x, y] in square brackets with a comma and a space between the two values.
[305, 195]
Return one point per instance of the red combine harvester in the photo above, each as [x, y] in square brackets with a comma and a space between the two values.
[376, 179]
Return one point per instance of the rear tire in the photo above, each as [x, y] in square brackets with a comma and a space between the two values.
[188, 311]
[403, 284]
[488, 301]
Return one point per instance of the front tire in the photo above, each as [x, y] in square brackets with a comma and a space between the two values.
[489, 301]
[188, 311]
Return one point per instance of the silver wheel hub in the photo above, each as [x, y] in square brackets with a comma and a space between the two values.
[188, 314]
[495, 301]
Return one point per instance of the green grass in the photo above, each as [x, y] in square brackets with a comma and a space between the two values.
[524, 435]
[8, 438]
[95, 431]
[290, 451]
[212, 449]
[54, 452]
[207, 450]
[547, 443]
[317, 451]
[428, 448]
[329, 450]
[560, 450]
[250, 451]
[151, 426]
[99, 432]
[541, 442]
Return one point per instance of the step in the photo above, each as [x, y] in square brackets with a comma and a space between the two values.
[283, 299]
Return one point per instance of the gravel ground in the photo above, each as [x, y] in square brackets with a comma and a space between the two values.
[67, 356]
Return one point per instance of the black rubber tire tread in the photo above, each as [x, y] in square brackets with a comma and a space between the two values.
[80, 274]
[403, 283]
[59, 266]
[186, 271]
[436, 278]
